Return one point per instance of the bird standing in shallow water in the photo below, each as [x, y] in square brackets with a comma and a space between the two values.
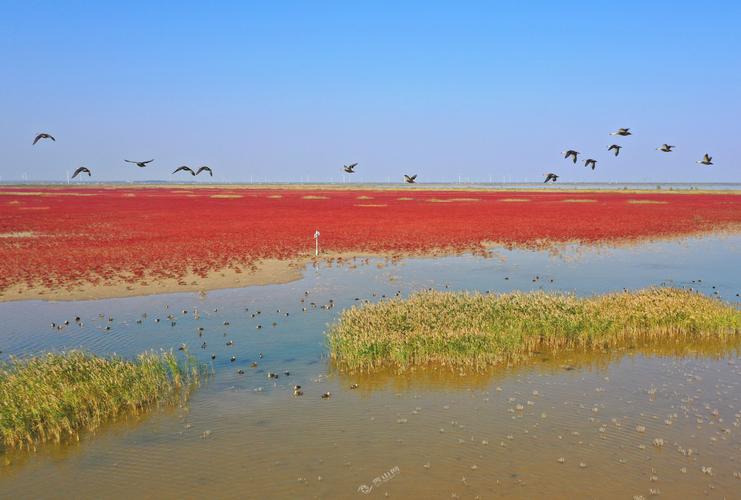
[706, 160]
[615, 148]
[43, 136]
[81, 170]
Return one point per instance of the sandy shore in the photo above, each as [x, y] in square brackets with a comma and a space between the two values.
[268, 272]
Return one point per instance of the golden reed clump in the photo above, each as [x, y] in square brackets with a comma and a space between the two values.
[460, 329]
[55, 396]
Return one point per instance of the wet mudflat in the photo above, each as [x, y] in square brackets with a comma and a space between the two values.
[661, 420]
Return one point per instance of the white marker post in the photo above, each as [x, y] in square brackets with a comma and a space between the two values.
[316, 241]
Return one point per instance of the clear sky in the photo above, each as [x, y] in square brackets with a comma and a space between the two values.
[289, 91]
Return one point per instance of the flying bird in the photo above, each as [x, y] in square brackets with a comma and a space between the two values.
[43, 136]
[350, 169]
[590, 161]
[185, 169]
[706, 160]
[140, 164]
[81, 170]
[666, 148]
[622, 131]
[616, 148]
[204, 169]
[410, 179]
[551, 177]
[570, 152]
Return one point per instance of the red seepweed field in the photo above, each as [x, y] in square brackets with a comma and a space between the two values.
[55, 237]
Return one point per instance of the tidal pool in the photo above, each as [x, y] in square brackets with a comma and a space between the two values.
[633, 422]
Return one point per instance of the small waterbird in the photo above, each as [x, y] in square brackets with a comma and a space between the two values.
[666, 148]
[43, 136]
[205, 169]
[590, 161]
[81, 170]
[624, 132]
[551, 177]
[570, 152]
[350, 169]
[615, 148]
[140, 164]
[706, 160]
[184, 169]
[410, 179]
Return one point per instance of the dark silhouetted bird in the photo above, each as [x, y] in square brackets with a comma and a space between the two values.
[140, 164]
[205, 169]
[81, 170]
[551, 177]
[350, 169]
[184, 169]
[622, 132]
[666, 148]
[43, 136]
[572, 153]
[615, 148]
[410, 179]
[706, 160]
[590, 161]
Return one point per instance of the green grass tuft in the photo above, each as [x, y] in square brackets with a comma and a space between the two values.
[55, 396]
[459, 329]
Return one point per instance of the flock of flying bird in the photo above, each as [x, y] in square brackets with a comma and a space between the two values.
[140, 164]
[622, 132]
[411, 179]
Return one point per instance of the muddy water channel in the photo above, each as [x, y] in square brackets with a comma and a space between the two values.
[662, 420]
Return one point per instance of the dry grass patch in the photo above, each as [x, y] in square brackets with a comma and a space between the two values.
[452, 200]
[371, 205]
[314, 197]
[647, 202]
[477, 330]
[515, 200]
[364, 197]
[225, 196]
[19, 234]
[404, 198]
[275, 196]
[33, 208]
[54, 397]
[21, 193]
[578, 200]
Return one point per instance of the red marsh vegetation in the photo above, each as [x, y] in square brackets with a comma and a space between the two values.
[58, 236]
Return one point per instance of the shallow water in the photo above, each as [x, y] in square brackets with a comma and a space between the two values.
[424, 434]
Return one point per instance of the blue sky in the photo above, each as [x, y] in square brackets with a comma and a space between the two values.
[289, 91]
